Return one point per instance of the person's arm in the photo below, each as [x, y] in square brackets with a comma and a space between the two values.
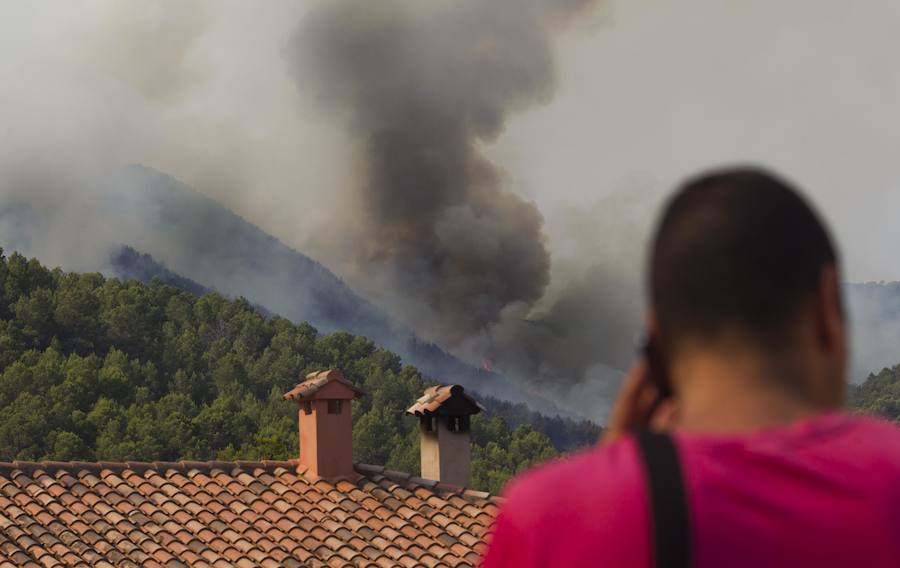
[638, 405]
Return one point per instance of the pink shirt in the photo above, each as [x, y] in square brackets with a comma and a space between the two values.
[821, 492]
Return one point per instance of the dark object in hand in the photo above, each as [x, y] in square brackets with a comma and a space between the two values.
[658, 375]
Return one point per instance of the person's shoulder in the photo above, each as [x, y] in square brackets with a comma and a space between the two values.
[878, 425]
[872, 454]
[861, 449]
[878, 434]
[569, 511]
[873, 430]
[605, 471]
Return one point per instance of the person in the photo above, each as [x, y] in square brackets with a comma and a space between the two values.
[756, 465]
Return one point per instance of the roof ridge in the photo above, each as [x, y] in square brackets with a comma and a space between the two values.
[181, 465]
[403, 479]
[400, 478]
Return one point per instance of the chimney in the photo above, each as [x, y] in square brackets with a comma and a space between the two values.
[444, 413]
[326, 423]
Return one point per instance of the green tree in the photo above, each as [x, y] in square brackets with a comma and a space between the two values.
[67, 446]
[77, 313]
[373, 433]
[24, 430]
[97, 369]
[34, 317]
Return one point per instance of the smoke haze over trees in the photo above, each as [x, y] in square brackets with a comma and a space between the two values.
[443, 237]
[527, 123]
[99, 369]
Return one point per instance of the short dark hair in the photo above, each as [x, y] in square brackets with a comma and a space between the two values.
[736, 249]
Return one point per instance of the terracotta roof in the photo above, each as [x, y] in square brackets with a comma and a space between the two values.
[314, 383]
[232, 514]
[451, 398]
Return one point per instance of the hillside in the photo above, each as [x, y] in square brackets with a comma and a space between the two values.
[129, 264]
[879, 394]
[200, 239]
[567, 434]
[875, 316]
[205, 243]
[99, 369]
[236, 258]
[875, 320]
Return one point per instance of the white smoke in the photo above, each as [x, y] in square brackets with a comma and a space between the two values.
[650, 90]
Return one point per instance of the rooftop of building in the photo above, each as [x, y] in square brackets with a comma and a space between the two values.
[319, 510]
[243, 513]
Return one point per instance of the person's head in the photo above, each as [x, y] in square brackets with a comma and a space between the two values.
[741, 266]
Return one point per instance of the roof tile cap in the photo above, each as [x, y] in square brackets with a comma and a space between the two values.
[477, 494]
[112, 466]
[367, 469]
[250, 466]
[429, 483]
[396, 476]
[449, 400]
[140, 467]
[449, 488]
[314, 382]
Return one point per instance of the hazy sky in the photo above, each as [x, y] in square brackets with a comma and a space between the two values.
[649, 91]
[807, 86]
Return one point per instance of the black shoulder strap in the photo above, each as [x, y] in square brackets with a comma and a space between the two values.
[671, 534]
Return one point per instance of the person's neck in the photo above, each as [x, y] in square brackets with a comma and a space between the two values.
[736, 394]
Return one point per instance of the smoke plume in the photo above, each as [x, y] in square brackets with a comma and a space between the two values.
[421, 86]
[578, 339]
[399, 188]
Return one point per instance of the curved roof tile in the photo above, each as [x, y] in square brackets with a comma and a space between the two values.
[231, 513]
[451, 400]
[314, 382]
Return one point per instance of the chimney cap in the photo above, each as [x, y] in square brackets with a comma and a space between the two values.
[446, 400]
[316, 381]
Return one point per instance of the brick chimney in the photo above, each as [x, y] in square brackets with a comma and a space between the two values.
[444, 413]
[326, 423]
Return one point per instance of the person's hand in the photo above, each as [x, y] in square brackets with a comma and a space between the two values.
[638, 405]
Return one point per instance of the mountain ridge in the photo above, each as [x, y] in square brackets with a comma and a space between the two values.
[233, 256]
[566, 434]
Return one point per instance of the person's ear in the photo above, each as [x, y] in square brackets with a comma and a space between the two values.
[651, 327]
[830, 311]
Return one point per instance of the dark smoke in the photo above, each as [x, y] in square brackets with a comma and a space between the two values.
[574, 346]
[594, 321]
[422, 84]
